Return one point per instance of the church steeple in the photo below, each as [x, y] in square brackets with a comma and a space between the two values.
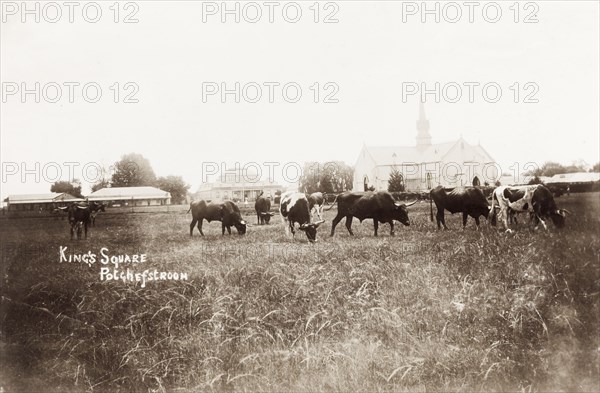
[423, 136]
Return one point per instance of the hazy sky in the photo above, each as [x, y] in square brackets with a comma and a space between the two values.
[375, 51]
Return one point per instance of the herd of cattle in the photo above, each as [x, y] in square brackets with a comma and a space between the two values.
[298, 208]
[381, 207]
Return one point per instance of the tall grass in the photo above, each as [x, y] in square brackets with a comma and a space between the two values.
[424, 310]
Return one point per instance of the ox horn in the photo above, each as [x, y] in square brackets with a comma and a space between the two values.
[563, 211]
[406, 204]
[319, 223]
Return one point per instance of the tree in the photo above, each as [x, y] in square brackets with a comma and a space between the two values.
[133, 170]
[309, 180]
[551, 168]
[341, 176]
[329, 177]
[73, 188]
[103, 181]
[326, 184]
[100, 185]
[596, 167]
[176, 186]
[396, 181]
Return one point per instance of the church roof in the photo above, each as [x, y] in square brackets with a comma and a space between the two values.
[425, 152]
[395, 155]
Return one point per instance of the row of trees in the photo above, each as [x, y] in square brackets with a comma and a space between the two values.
[132, 170]
[551, 168]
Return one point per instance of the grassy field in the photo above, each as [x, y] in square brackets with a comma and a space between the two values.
[425, 310]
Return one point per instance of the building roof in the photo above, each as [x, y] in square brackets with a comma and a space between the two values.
[397, 155]
[239, 186]
[577, 177]
[511, 180]
[121, 193]
[42, 198]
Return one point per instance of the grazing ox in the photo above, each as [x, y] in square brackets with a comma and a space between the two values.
[536, 200]
[294, 208]
[380, 206]
[470, 201]
[315, 203]
[263, 209]
[227, 212]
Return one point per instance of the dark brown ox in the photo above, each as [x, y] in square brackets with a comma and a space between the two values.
[380, 206]
[470, 201]
[263, 209]
[227, 212]
[80, 216]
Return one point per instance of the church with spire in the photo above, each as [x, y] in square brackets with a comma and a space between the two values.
[423, 135]
[425, 165]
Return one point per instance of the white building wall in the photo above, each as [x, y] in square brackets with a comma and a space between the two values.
[457, 168]
[470, 162]
[364, 166]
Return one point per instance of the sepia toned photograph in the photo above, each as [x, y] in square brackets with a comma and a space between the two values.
[299, 196]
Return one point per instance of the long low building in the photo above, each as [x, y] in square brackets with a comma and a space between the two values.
[574, 182]
[237, 192]
[236, 185]
[575, 178]
[131, 196]
[37, 202]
